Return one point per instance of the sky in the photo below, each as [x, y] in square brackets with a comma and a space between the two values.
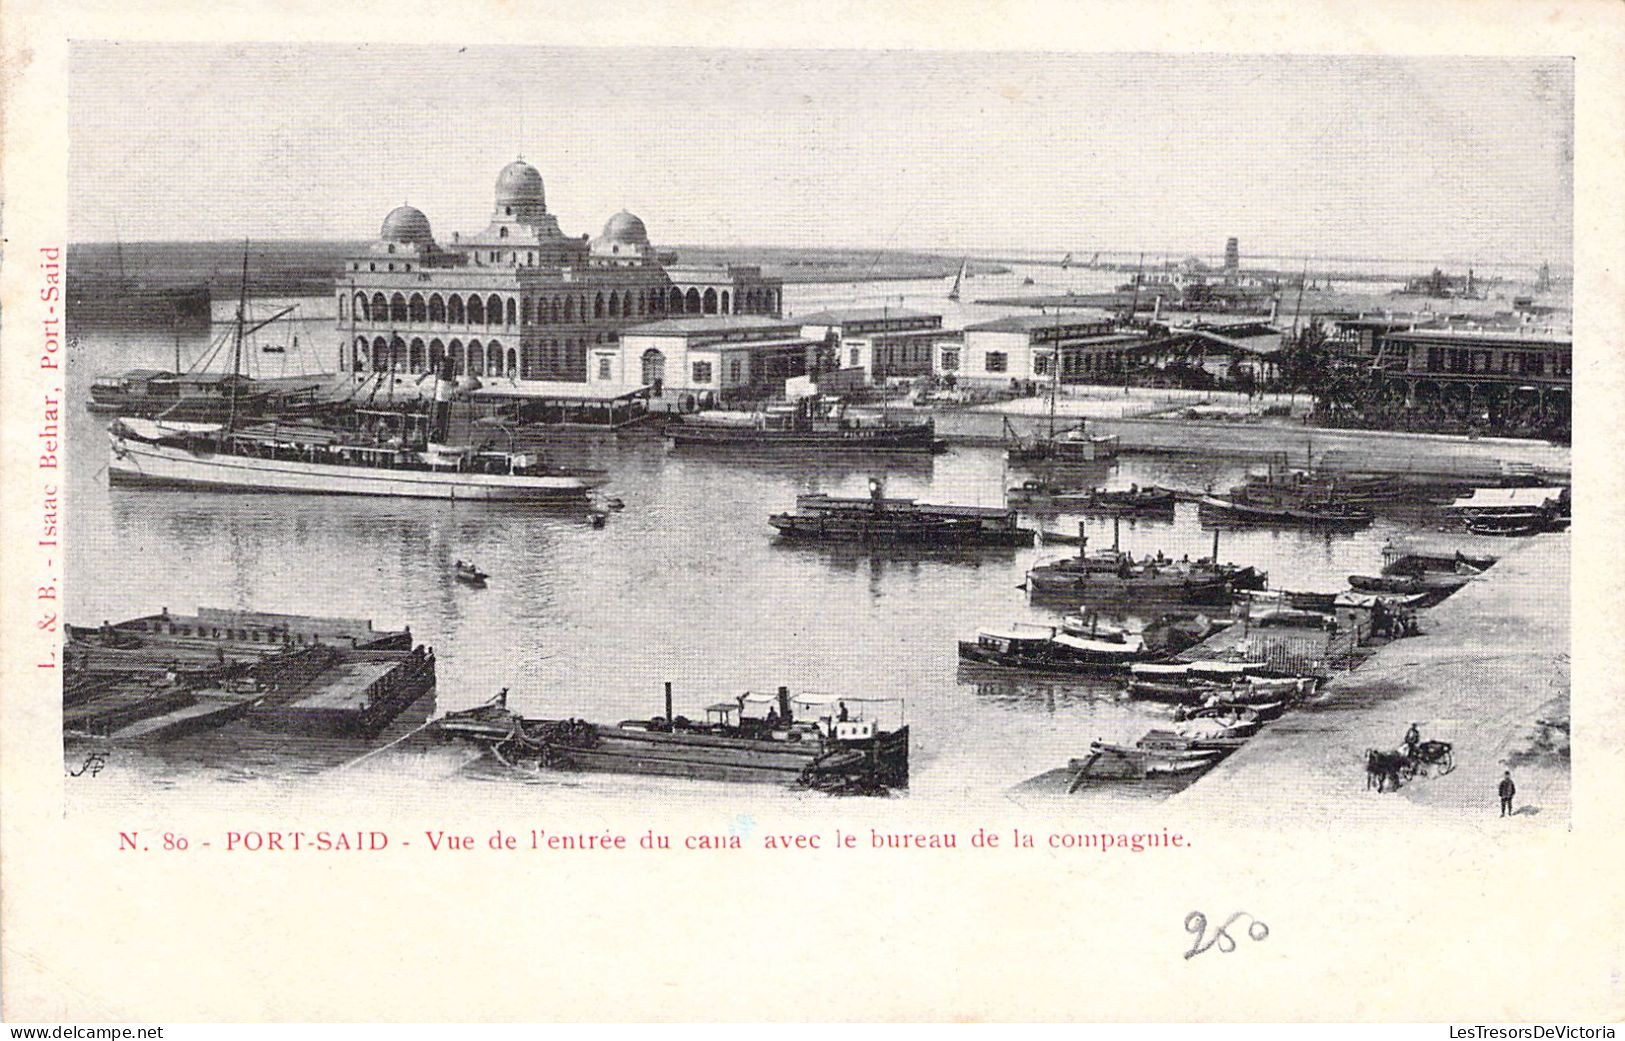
[1388, 157]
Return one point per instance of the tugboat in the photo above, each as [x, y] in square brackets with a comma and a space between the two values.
[811, 423]
[815, 741]
[878, 519]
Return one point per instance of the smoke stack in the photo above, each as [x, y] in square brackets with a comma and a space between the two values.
[440, 410]
[669, 716]
[784, 703]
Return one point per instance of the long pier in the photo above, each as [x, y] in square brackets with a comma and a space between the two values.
[1491, 664]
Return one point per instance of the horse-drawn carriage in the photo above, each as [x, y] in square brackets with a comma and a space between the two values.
[1385, 770]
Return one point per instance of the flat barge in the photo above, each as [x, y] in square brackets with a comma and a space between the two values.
[879, 520]
[812, 741]
[164, 676]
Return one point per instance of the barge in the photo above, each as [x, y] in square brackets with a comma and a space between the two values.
[163, 676]
[879, 520]
[830, 743]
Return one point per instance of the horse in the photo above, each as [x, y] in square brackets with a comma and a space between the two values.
[1382, 767]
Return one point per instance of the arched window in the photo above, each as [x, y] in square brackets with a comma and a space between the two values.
[476, 359]
[437, 310]
[614, 304]
[710, 301]
[494, 357]
[513, 363]
[513, 313]
[359, 362]
[769, 303]
[654, 368]
[380, 355]
[397, 355]
[341, 306]
[437, 351]
[456, 350]
[528, 310]
[598, 306]
[359, 308]
[476, 311]
[493, 310]
[569, 309]
[380, 308]
[416, 359]
[643, 302]
[725, 302]
[454, 310]
[692, 300]
[397, 308]
[502, 233]
[416, 310]
[554, 310]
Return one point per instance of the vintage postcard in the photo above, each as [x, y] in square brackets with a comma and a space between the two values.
[1010, 512]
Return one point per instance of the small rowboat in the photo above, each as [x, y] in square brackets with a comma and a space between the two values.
[468, 574]
[1387, 584]
[1167, 740]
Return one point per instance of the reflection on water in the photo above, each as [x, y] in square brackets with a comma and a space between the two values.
[687, 584]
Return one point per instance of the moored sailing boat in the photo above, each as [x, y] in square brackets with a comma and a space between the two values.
[383, 453]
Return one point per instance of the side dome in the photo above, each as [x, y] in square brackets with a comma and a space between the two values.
[407, 224]
[627, 229]
[520, 184]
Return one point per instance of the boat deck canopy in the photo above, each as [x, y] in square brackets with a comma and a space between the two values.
[1508, 499]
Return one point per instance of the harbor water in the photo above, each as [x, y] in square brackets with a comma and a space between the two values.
[687, 584]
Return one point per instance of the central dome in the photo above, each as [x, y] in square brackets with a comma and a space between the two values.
[626, 228]
[519, 184]
[407, 224]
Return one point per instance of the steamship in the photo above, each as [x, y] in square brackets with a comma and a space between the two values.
[835, 744]
[375, 452]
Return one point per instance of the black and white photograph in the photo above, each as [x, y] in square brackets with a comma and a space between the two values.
[555, 439]
[838, 468]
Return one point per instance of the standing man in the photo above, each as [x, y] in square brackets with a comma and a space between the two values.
[1507, 790]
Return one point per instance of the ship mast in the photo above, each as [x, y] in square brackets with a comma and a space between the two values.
[1055, 374]
[237, 344]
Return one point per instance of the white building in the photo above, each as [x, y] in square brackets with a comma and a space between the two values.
[881, 342]
[1023, 347]
[704, 361]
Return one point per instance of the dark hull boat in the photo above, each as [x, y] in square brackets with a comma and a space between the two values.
[1095, 579]
[878, 520]
[824, 746]
[1037, 648]
[1395, 584]
[1316, 515]
[810, 425]
[1039, 494]
[1133, 500]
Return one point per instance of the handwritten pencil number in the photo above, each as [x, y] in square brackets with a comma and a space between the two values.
[1196, 925]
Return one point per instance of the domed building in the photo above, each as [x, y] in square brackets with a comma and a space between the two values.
[407, 226]
[519, 301]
